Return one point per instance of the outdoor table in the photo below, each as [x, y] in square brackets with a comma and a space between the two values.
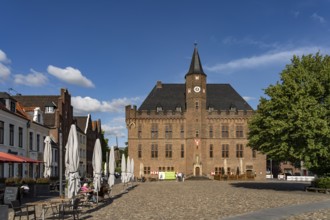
[52, 204]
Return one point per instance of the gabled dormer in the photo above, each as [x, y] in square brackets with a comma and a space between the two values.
[37, 116]
[50, 108]
[8, 101]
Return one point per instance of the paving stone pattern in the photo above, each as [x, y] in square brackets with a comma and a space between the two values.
[203, 200]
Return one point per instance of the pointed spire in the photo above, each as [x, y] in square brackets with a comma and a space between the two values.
[196, 65]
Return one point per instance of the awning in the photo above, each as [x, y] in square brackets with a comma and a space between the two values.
[12, 158]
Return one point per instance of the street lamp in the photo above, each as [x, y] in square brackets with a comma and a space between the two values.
[61, 162]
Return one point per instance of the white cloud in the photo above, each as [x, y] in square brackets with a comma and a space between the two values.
[3, 57]
[318, 18]
[270, 58]
[4, 72]
[4, 69]
[32, 79]
[70, 75]
[88, 104]
[248, 98]
[117, 131]
[248, 41]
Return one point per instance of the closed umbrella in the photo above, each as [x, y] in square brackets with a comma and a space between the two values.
[72, 162]
[141, 170]
[123, 169]
[128, 170]
[106, 165]
[225, 166]
[111, 180]
[97, 167]
[241, 166]
[48, 157]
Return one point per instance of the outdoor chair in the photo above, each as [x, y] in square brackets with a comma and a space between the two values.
[106, 191]
[69, 208]
[23, 210]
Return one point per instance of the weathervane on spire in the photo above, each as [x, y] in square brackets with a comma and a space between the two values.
[195, 44]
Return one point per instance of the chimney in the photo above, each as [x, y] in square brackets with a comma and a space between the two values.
[159, 85]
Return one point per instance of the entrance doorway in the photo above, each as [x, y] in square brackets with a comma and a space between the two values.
[197, 171]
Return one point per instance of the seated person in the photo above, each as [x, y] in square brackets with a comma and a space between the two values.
[85, 187]
[25, 188]
[89, 193]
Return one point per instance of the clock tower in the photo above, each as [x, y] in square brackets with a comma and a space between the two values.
[195, 114]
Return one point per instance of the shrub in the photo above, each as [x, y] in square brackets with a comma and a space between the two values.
[12, 181]
[43, 181]
[27, 180]
[323, 182]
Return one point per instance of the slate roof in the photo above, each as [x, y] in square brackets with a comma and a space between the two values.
[42, 102]
[195, 65]
[5, 95]
[81, 122]
[170, 96]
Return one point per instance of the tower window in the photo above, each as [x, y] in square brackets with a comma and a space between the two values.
[196, 105]
[211, 150]
[139, 150]
[197, 133]
[139, 131]
[182, 151]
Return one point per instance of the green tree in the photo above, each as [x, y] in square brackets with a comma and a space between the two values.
[292, 123]
[104, 145]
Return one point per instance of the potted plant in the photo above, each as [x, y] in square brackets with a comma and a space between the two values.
[14, 181]
[42, 186]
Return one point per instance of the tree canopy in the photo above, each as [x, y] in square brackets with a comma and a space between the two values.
[293, 122]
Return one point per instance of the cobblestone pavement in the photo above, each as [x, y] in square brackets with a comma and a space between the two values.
[203, 200]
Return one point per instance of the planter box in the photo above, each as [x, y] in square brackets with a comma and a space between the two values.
[41, 189]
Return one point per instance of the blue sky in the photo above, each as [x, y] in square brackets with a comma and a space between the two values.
[109, 54]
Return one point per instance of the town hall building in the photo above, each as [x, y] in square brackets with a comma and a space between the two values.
[196, 128]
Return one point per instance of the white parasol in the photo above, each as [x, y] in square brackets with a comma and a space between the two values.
[225, 165]
[123, 169]
[72, 162]
[128, 170]
[141, 170]
[48, 157]
[97, 167]
[106, 164]
[111, 179]
[241, 166]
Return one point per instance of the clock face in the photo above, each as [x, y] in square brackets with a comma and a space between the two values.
[197, 89]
